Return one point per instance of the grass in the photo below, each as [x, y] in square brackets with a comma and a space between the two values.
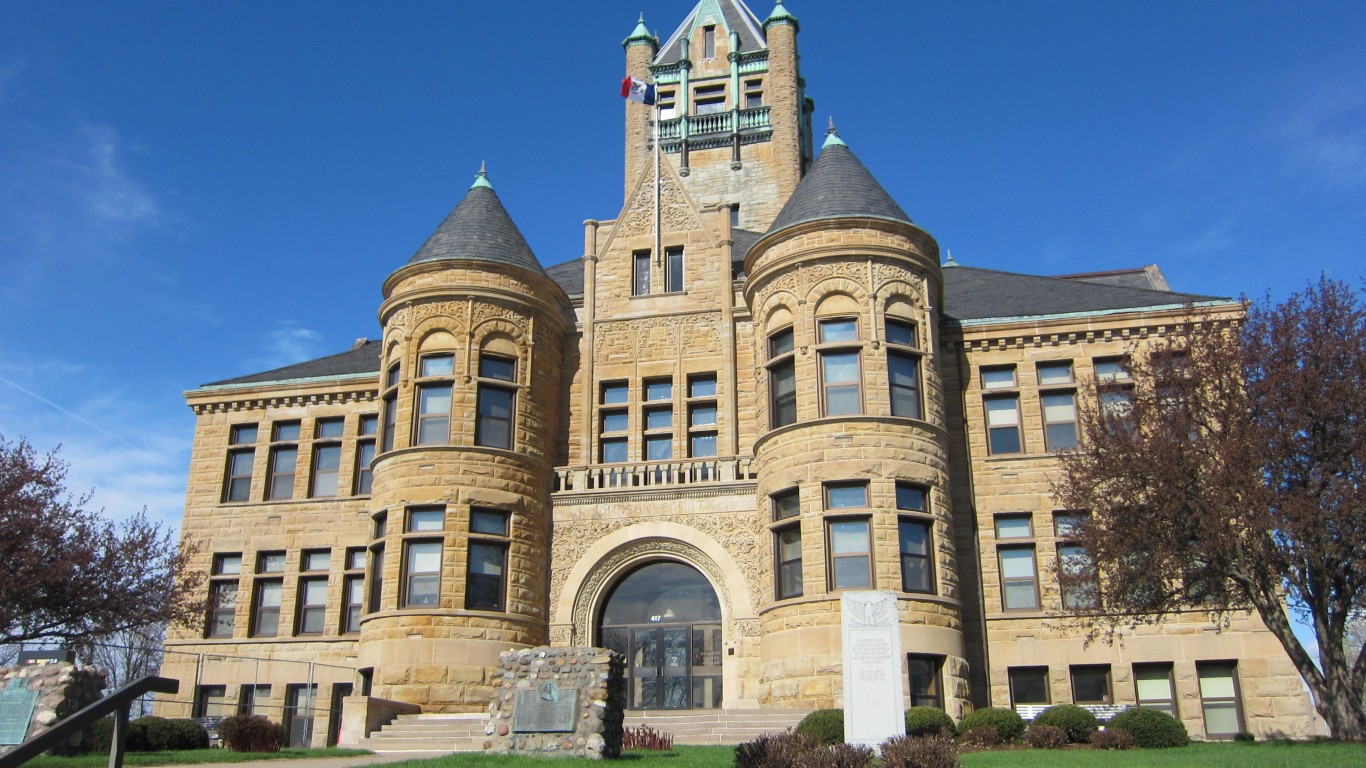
[186, 757]
[1260, 755]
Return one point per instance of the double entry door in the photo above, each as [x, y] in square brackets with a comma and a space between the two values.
[674, 666]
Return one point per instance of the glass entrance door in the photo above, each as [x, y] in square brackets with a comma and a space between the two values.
[664, 617]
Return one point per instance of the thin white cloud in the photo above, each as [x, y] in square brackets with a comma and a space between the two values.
[1325, 139]
[101, 181]
[283, 346]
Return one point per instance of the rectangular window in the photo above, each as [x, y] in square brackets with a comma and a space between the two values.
[253, 700]
[840, 383]
[379, 525]
[355, 558]
[786, 504]
[1028, 685]
[1059, 420]
[365, 455]
[850, 554]
[787, 546]
[615, 393]
[640, 273]
[222, 608]
[754, 94]
[493, 427]
[486, 580]
[266, 608]
[1076, 574]
[1055, 374]
[673, 269]
[312, 602]
[613, 450]
[702, 415]
[326, 470]
[710, 99]
[237, 484]
[1109, 369]
[903, 373]
[659, 389]
[998, 377]
[425, 519]
[1003, 424]
[1091, 685]
[329, 429]
[436, 365]
[316, 560]
[1014, 527]
[924, 688]
[902, 333]
[375, 574]
[1019, 583]
[211, 701]
[227, 565]
[353, 598]
[917, 566]
[782, 378]
[421, 572]
[846, 495]
[702, 385]
[433, 414]
[702, 445]
[659, 418]
[1153, 687]
[668, 104]
[614, 421]
[390, 412]
[270, 562]
[709, 42]
[280, 480]
[1219, 698]
[659, 448]
[391, 376]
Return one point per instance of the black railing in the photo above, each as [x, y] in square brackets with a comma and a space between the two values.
[118, 702]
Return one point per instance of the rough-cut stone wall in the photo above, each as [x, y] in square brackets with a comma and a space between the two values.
[63, 690]
[598, 676]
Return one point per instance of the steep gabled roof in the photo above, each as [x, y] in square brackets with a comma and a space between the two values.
[569, 276]
[971, 293]
[837, 186]
[479, 228]
[733, 15]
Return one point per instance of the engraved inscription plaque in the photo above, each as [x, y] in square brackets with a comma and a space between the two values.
[16, 709]
[546, 709]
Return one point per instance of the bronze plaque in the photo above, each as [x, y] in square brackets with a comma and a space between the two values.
[16, 709]
[546, 709]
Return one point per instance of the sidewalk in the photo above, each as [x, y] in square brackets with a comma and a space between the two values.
[324, 762]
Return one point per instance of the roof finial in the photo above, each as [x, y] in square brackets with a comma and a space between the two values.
[950, 262]
[832, 137]
[482, 178]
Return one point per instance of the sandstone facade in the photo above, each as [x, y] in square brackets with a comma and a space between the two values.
[757, 389]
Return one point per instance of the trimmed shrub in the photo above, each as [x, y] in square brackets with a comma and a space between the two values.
[251, 733]
[154, 733]
[1008, 724]
[1112, 738]
[1151, 728]
[838, 756]
[979, 736]
[102, 732]
[935, 751]
[1076, 722]
[1045, 737]
[823, 727]
[771, 750]
[927, 721]
[166, 734]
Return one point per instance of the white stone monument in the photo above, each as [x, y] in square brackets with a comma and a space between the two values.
[873, 686]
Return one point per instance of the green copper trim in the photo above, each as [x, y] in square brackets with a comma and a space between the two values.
[781, 15]
[1090, 313]
[297, 380]
[639, 36]
[482, 178]
[832, 138]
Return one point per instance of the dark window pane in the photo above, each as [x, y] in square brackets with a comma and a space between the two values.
[437, 365]
[838, 330]
[614, 450]
[494, 427]
[846, 496]
[780, 343]
[904, 372]
[783, 386]
[1029, 685]
[901, 332]
[489, 521]
[493, 367]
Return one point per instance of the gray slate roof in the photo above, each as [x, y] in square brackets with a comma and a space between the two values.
[1147, 277]
[736, 16]
[360, 360]
[479, 228]
[971, 293]
[837, 186]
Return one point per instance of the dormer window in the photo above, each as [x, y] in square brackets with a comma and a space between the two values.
[709, 42]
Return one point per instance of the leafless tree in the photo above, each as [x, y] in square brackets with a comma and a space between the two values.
[1230, 474]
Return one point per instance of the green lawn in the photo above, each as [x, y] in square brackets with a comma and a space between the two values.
[185, 757]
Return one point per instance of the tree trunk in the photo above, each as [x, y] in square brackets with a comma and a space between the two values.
[1341, 708]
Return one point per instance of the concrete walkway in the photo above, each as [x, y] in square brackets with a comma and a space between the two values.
[324, 762]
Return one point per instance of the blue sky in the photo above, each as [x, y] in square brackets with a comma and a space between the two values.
[191, 191]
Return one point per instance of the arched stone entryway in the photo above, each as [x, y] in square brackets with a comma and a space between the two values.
[664, 616]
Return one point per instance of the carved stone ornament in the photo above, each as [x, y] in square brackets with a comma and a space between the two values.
[676, 212]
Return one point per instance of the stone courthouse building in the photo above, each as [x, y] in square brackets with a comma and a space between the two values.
[759, 387]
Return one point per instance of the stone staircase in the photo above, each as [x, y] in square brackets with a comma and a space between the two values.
[465, 732]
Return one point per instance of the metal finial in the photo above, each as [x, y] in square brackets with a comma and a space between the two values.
[832, 121]
[950, 262]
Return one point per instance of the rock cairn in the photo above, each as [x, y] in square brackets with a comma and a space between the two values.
[63, 689]
[597, 674]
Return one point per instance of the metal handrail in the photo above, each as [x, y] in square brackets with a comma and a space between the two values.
[119, 703]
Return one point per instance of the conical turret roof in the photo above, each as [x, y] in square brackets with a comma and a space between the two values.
[479, 228]
[837, 186]
[732, 15]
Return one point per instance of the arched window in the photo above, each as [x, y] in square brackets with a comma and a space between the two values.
[435, 381]
[838, 355]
